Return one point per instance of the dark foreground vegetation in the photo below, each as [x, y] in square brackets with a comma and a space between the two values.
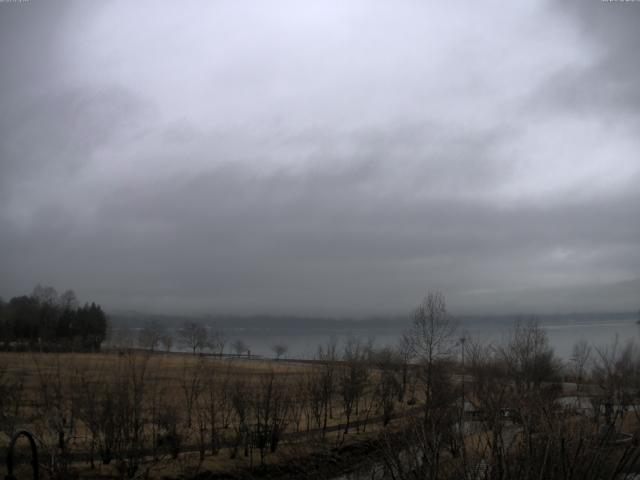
[436, 406]
[46, 321]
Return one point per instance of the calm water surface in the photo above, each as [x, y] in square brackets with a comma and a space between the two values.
[303, 343]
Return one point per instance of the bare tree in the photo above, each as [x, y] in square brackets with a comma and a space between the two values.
[217, 342]
[615, 370]
[12, 394]
[353, 377]
[270, 408]
[45, 294]
[130, 414]
[432, 341]
[167, 341]
[405, 354]
[324, 389]
[432, 337]
[112, 405]
[213, 396]
[193, 336]
[123, 338]
[151, 334]
[581, 354]
[491, 392]
[388, 386]
[239, 347]
[68, 300]
[240, 400]
[279, 350]
[58, 409]
[299, 401]
[529, 356]
[191, 385]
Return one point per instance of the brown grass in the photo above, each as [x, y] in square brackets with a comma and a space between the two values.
[164, 375]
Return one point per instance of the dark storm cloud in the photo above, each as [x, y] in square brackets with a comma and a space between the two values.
[205, 159]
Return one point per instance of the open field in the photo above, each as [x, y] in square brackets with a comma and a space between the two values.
[412, 412]
[135, 413]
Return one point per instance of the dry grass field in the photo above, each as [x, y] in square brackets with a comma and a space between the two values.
[133, 414]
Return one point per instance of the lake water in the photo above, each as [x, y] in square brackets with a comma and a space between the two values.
[563, 333]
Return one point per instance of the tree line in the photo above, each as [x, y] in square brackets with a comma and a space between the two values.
[46, 320]
[192, 336]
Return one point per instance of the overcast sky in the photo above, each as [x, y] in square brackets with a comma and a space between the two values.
[338, 157]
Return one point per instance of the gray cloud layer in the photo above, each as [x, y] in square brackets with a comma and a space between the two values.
[333, 158]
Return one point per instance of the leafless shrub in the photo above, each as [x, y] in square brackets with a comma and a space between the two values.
[240, 400]
[57, 408]
[217, 341]
[616, 371]
[353, 377]
[270, 409]
[191, 385]
[151, 335]
[528, 356]
[580, 357]
[11, 401]
[240, 347]
[279, 350]
[193, 336]
[323, 389]
[389, 385]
